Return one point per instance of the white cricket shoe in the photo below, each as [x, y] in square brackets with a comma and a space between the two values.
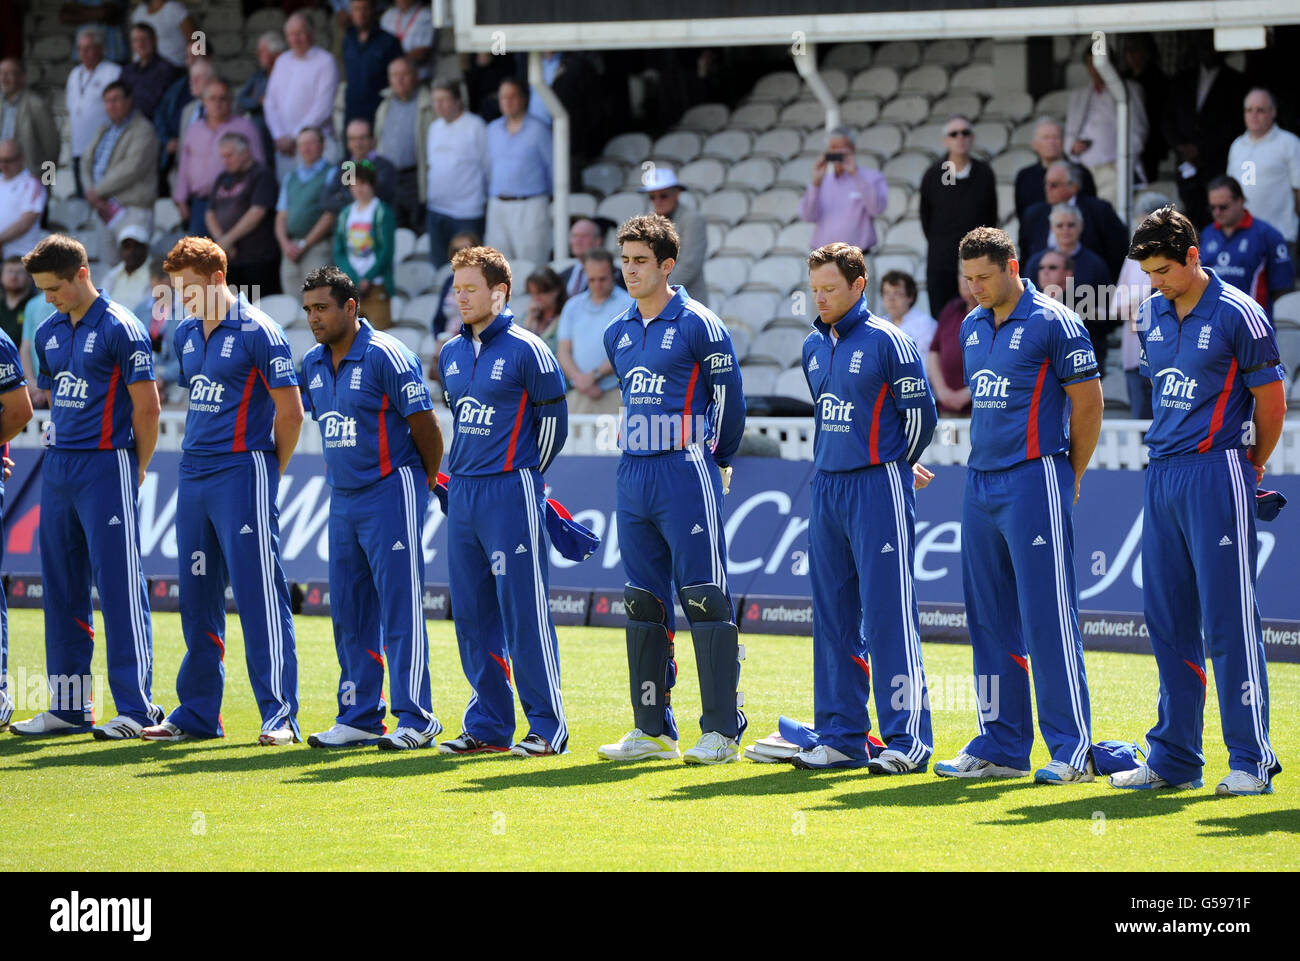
[636, 745]
[1241, 784]
[6, 712]
[279, 737]
[406, 739]
[46, 724]
[1142, 778]
[822, 756]
[343, 735]
[165, 731]
[713, 748]
[968, 765]
[1060, 772]
[121, 728]
[890, 761]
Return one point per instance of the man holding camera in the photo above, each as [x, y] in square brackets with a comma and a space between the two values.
[843, 198]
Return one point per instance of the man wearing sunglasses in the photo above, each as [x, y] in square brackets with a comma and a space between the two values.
[1248, 253]
[958, 194]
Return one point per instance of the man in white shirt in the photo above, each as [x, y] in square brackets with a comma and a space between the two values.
[22, 201]
[1091, 130]
[300, 93]
[593, 385]
[85, 94]
[128, 282]
[457, 170]
[1266, 161]
[411, 22]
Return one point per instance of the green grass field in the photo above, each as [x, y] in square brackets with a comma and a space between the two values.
[82, 805]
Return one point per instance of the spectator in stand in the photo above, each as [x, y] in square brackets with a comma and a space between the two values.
[167, 116]
[85, 94]
[1247, 252]
[958, 194]
[446, 322]
[401, 134]
[35, 312]
[105, 16]
[519, 181]
[248, 101]
[200, 161]
[1202, 120]
[1103, 232]
[943, 364]
[1055, 275]
[1089, 295]
[411, 22]
[898, 297]
[303, 228]
[22, 201]
[128, 282]
[545, 302]
[239, 218]
[18, 289]
[361, 146]
[1091, 129]
[1131, 289]
[364, 241]
[1142, 60]
[118, 170]
[1049, 145]
[1272, 155]
[300, 93]
[585, 235]
[483, 79]
[843, 204]
[593, 385]
[367, 52]
[25, 117]
[172, 24]
[666, 200]
[456, 182]
[147, 75]
[162, 309]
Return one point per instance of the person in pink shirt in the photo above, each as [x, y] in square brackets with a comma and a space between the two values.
[200, 160]
[843, 197]
[300, 93]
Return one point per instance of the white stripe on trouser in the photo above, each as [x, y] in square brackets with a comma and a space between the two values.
[1079, 756]
[139, 623]
[544, 613]
[695, 456]
[419, 658]
[270, 606]
[1237, 481]
[912, 642]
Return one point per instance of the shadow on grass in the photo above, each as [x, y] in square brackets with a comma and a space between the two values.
[774, 779]
[924, 790]
[503, 771]
[1250, 824]
[1112, 804]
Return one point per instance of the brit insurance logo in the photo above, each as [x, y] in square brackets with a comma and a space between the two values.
[719, 363]
[282, 366]
[337, 430]
[910, 388]
[140, 360]
[1177, 390]
[206, 394]
[7, 371]
[70, 390]
[645, 386]
[474, 417]
[414, 391]
[1081, 359]
[988, 388]
[834, 413]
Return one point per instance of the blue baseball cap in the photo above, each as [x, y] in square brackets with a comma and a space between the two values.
[568, 537]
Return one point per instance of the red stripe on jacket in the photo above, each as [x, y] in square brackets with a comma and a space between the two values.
[514, 434]
[1031, 434]
[1216, 421]
[106, 422]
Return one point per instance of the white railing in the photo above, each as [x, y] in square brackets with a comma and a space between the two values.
[1120, 446]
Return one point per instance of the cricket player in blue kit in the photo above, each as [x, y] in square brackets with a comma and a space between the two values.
[95, 358]
[506, 392]
[1245, 252]
[1219, 406]
[874, 415]
[1035, 419]
[683, 418]
[382, 444]
[15, 412]
[245, 412]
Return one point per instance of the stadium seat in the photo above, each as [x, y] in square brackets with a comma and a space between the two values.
[908, 109]
[849, 57]
[1014, 107]
[726, 206]
[741, 338]
[967, 104]
[704, 118]
[836, 80]
[802, 115]
[301, 340]
[729, 146]
[1286, 310]
[780, 205]
[859, 112]
[619, 207]
[753, 116]
[1008, 163]
[793, 384]
[982, 52]
[70, 214]
[926, 137]
[628, 148]
[403, 244]
[896, 206]
[1012, 225]
[978, 77]
[783, 343]
[882, 263]
[883, 139]
[413, 277]
[715, 234]
[580, 205]
[907, 235]
[1054, 103]
[795, 172]
[679, 147]
[780, 87]
[749, 239]
[907, 168]
[755, 174]
[603, 178]
[753, 308]
[1006, 200]
[780, 144]
[952, 52]
[1022, 135]
[759, 379]
[1114, 390]
[929, 80]
[795, 238]
[726, 275]
[779, 272]
[284, 309]
[165, 215]
[703, 175]
[1288, 345]
[412, 337]
[898, 53]
[56, 46]
[418, 310]
[991, 137]
[879, 82]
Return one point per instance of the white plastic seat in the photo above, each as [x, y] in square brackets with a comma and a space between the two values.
[741, 339]
[928, 138]
[403, 243]
[907, 235]
[714, 235]
[966, 103]
[680, 146]
[704, 117]
[882, 139]
[628, 148]
[878, 82]
[759, 379]
[705, 175]
[1288, 346]
[411, 337]
[752, 308]
[1023, 134]
[418, 310]
[836, 80]
[976, 76]
[896, 205]
[793, 384]
[301, 340]
[727, 145]
[898, 53]
[603, 178]
[580, 205]
[1006, 200]
[753, 116]
[726, 206]
[780, 205]
[727, 275]
[284, 309]
[1055, 103]
[909, 109]
[1286, 311]
[949, 52]
[1014, 107]
[850, 57]
[264, 20]
[165, 215]
[779, 144]
[1008, 163]
[785, 344]
[779, 87]
[414, 277]
[883, 263]
[802, 115]
[755, 174]
[795, 172]
[750, 239]
[991, 136]
[859, 112]
[907, 168]
[619, 207]
[779, 272]
[929, 80]
[72, 212]
[794, 238]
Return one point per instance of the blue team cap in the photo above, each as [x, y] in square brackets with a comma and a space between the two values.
[1112, 757]
[1268, 503]
[568, 537]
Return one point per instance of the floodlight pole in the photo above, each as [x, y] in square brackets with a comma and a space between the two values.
[805, 61]
[559, 156]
